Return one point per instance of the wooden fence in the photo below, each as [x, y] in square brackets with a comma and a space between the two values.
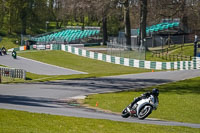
[171, 57]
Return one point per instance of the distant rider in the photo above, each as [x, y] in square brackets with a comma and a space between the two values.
[14, 54]
[154, 92]
[4, 51]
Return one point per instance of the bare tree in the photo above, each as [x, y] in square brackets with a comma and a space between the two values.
[101, 10]
[143, 19]
[104, 9]
[127, 23]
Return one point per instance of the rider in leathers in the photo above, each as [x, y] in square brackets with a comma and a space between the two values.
[154, 92]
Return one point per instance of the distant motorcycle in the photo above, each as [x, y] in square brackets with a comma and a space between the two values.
[4, 51]
[142, 108]
[14, 54]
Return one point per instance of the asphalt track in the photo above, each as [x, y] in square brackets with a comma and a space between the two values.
[36, 66]
[52, 97]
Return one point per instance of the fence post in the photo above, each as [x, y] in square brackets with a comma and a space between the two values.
[0, 75]
[24, 74]
[195, 45]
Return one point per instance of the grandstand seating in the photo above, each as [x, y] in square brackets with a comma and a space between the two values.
[160, 27]
[67, 35]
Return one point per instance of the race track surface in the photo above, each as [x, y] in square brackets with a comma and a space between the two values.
[36, 66]
[50, 97]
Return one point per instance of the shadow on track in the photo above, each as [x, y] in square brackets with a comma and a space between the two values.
[27, 101]
[105, 83]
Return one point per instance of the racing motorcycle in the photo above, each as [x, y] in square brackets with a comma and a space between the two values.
[4, 51]
[142, 108]
[14, 54]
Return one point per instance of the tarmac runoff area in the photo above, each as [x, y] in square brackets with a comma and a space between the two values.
[35, 66]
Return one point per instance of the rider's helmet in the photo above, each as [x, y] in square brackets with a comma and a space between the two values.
[155, 92]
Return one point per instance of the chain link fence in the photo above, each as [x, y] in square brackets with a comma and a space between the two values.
[158, 40]
[117, 47]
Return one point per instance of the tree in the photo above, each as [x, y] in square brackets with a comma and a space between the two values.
[23, 7]
[54, 8]
[102, 8]
[127, 22]
[2, 13]
[143, 19]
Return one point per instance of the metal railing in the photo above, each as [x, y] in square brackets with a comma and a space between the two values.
[12, 73]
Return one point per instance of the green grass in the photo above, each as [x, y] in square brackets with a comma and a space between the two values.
[24, 122]
[8, 42]
[94, 68]
[149, 57]
[187, 50]
[31, 77]
[11, 80]
[178, 101]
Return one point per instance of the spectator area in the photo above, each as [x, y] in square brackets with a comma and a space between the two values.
[161, 27]
[67, 35]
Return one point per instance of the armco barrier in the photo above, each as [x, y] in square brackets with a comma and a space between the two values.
[179, 65]
[198, 62]
[12, 73]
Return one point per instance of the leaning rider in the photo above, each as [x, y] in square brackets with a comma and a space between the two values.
[3, 50]
[14, 54]
[154, 92]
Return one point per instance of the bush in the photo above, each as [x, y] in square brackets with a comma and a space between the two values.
[3, 33]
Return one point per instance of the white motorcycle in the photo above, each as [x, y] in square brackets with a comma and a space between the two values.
[142, 108]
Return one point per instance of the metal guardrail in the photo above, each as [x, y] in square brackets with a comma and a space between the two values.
[12, 73]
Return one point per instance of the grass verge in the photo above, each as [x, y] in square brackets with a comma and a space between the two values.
[8, 42]
[178, 101]
[11, 80]
[94, 68]
[24, 122]
[185, 50]
[31, 77]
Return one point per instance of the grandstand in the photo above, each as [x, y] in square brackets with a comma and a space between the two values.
[67, 36]
[160, 27]
[168, 31]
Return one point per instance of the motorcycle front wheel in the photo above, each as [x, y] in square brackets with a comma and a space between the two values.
[144, 112]
[125, 113]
